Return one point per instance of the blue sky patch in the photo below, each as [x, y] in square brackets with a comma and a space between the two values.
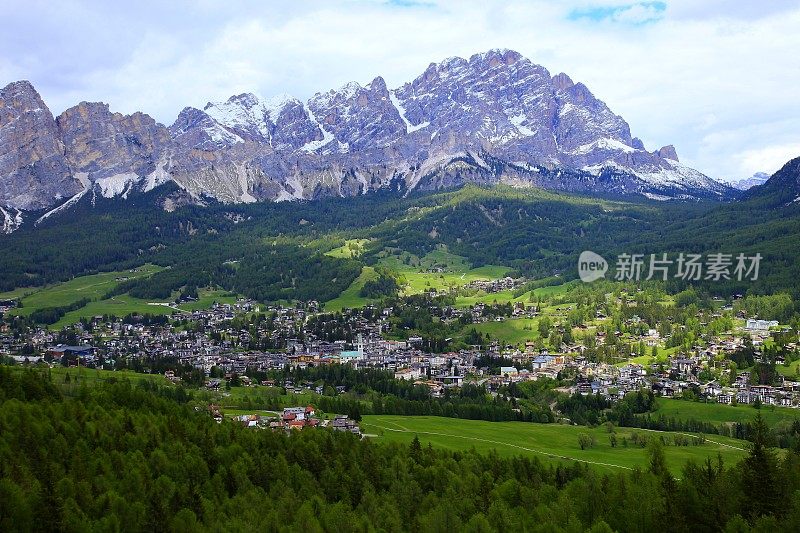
[636, 13]
[410, 3]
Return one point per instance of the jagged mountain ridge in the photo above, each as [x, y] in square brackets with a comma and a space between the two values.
[495, 117]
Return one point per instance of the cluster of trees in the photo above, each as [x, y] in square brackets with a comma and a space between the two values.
[331, 327]
[778, 306]
[384, 285]
[593, 409]
[51, 315]
[263, 271]
[120, 456]
[374, 391]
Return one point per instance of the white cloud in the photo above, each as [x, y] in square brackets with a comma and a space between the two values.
[768, 159]
[638, 14]
[713, 78]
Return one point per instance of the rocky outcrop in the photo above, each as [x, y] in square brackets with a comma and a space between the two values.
[103, 144]
[667, 152]
[33, 169]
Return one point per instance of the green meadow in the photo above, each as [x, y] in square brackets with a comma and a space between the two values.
[93, 287]
[350, 248]
[17, 293]
[350, 297]
[438, 270]
[551, 443]
[96, 286]
[510, 331]
[717, 413]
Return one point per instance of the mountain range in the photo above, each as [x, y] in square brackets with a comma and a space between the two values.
[759, 178]
[496, 117]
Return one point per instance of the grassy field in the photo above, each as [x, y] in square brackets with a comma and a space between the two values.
[118, 305]
[68, 292]
[350, 297]
[421, 273]
[96, 286]
[17, 293]
[721, 414]
[790, 371]
[438, 270]
[646, 360]
[207, 297]
[350, 248]
[517, 331]
[510, 331]
[503, 297]
[549, 442]
[125, 305]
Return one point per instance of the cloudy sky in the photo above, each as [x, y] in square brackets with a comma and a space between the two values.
[717, 78]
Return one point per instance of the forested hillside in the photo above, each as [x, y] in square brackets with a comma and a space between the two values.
[137, 457]
[277, 251]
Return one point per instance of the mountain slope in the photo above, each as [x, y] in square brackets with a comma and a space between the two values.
[780, 190]
[493, 118]
[276, 250]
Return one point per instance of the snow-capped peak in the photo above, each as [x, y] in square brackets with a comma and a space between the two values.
[345, 92]
[273, 107]
[244, 112]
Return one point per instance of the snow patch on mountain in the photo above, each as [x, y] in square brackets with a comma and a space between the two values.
[221, 136]
[158, 177]
[605, 143]
[518, 122]
[83, 178]
[245, 112]
[678, 176]
[117, 185]
[525, 165]
[275, 105]
[410, 128]
[327, 136]
[11, 221]
[759, 178]
[659, 197]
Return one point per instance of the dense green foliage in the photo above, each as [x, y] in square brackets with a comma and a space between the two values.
[124, 457]
[382, 286]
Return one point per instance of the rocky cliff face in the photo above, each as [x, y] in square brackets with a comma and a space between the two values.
[34, 172]
[112, 150]
[495, 117]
